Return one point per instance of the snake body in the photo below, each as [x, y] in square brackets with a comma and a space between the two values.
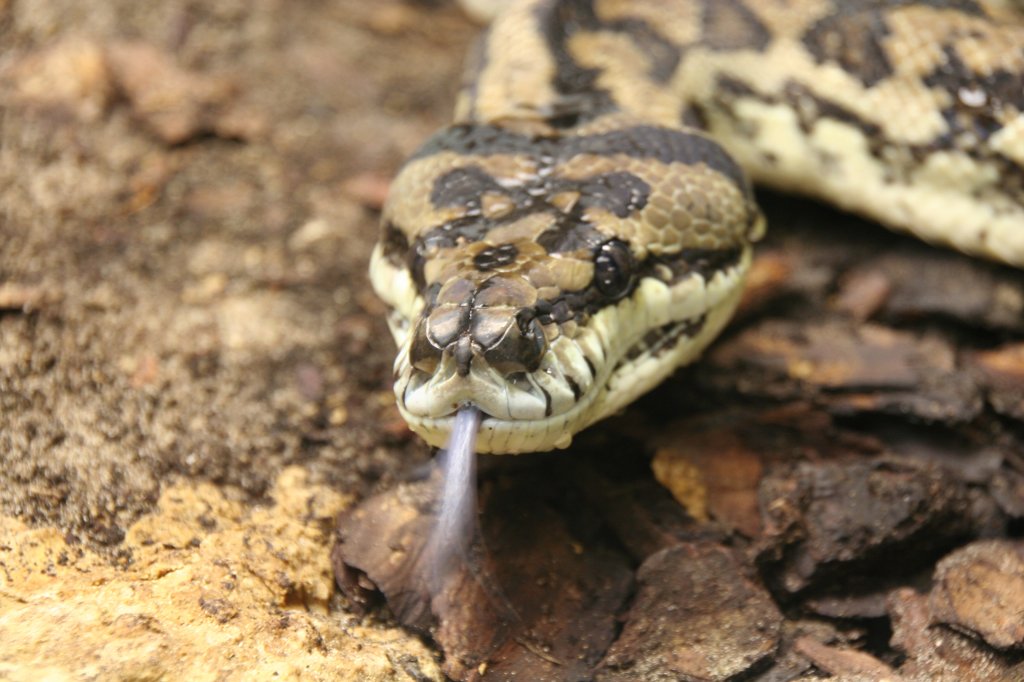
[584, 226]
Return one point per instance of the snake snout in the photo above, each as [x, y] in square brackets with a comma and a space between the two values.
[477, 326]
[473, 336]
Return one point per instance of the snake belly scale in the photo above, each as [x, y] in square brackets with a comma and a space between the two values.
[584, 226]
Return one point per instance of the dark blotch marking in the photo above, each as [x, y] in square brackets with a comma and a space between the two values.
[664, 144]
[1002, 90]
[566, 119]
[570, 233]
[641, 142]
[726, 91]
[620, 192]
[730, 25]
[576, 390]
[856, 6]
[463, 187]
[417, 262]
[734, 87]
[704, 262]
[495, 257]
[853, 35]
[959, 117]
[467, 229]
[693, 117]
[580, 96]
[811, 107]
[476, 140]
[659, 341]
[662, 54]
[853, 39]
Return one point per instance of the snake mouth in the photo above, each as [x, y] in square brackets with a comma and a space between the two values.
[522, 386]
[564, 377]
[498, 432]
[525, 395]
[646, 364]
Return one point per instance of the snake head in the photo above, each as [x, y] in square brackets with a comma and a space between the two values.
[495, 330]
[549, 280]
[484, 324]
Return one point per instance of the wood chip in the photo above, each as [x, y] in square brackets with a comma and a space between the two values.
[713, 473]
[937, 652]
[980, 589]
[843, 662]
[1001, 371]
[536, 600]
[852, 369]
[697, 615]
[840, 517]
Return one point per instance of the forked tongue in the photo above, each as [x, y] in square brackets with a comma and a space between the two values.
[461, 584]
[455, 524]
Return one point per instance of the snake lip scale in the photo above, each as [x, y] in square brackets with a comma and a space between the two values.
[585, 225]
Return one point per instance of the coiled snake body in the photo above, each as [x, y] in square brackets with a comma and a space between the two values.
[585, 225]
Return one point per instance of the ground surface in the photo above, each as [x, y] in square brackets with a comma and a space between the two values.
[194, 383]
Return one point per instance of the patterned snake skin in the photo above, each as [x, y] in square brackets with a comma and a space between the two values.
[586, 224]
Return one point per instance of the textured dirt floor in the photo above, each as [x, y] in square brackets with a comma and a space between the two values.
[194, 384]
[186, 213]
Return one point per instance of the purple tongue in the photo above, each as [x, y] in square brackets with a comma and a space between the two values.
[456, 518]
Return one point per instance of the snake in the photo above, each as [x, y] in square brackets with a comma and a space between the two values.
[585, 224]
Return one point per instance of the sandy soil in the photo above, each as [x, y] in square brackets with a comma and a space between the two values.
[186, 211]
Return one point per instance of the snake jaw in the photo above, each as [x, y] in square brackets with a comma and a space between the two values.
[581, 379]
[562, 375]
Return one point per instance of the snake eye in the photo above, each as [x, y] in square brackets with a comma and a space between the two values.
[613, 269]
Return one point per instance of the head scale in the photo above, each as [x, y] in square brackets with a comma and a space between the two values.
[550, 279]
